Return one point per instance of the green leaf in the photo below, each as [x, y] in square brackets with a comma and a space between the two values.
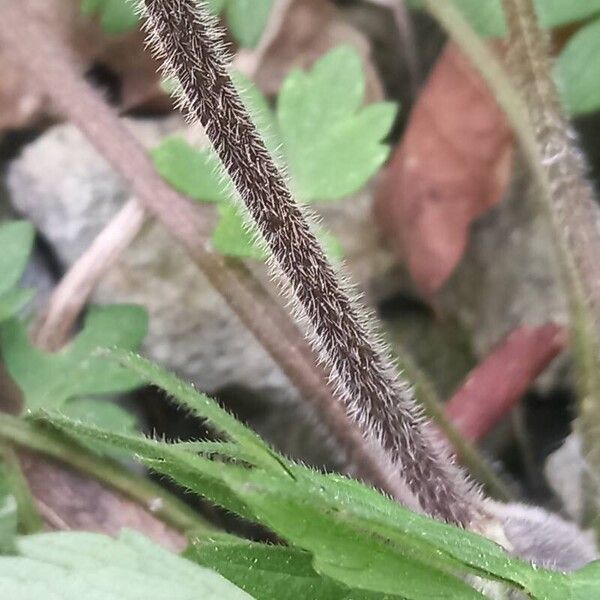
[270, 572]
[200, 404]
[76, 565]
[192, 172]
[197, 173]
[346, 553]
[104, 414]
[577, 70]
[49, 380]
[554, 13]
[586, 582]
[8, 514]
[247, 20]
[356, 536]
[116, 16]
[332, 145]
[487, 17]
[16, 241]
[13, 301]
[232, 238]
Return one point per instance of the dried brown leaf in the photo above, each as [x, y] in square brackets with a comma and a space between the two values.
[452, 165]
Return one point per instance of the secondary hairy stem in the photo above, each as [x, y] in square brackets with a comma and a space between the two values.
[382, 405]
[571, 201]
[559, 170]
[54, 72]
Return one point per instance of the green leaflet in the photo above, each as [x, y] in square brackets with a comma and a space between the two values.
[76, 565]
[269, 572]
[116, 16]
[487, 17]
[192, 172]
[16, 241]
[49, 380]
[247, 19]
[577, 71]
[8, 514]
[232, 238]
[332, 145]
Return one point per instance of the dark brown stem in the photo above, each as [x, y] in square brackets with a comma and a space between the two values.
[54, 72]
[379, 402]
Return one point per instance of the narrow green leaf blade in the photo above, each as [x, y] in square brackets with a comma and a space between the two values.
[554, 13]
[201, 405]
[270, 572]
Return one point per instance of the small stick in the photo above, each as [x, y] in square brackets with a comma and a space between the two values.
[72, 293]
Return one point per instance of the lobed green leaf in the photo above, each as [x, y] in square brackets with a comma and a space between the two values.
[49, 380]
[332, 146]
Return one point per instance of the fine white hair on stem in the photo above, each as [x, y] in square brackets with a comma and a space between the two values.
[188, 41]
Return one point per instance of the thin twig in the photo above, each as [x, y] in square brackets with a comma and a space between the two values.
[56, 75]
[72, 293]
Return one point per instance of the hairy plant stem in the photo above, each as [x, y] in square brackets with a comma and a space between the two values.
[54, 72]
[559, 171]
[40, 438]
[382, 405]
